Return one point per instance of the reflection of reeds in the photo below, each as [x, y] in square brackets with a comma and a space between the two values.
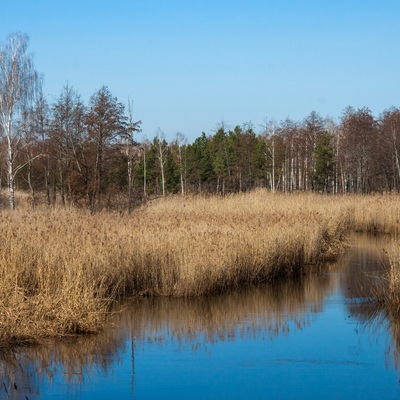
[381, 323]
[388, 289]
[379, 263]
[381, 214]
[394, 274]
[76, 359]
[394, 349]
[268, 310]
[61, 270]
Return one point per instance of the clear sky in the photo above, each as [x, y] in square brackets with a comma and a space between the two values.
[190, 64]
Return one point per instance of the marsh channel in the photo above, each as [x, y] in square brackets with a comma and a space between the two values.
[317, 337]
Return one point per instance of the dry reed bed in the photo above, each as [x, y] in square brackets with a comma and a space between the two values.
[377, 214]
[62, 270]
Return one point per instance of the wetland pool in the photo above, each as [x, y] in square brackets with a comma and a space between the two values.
[317, 337]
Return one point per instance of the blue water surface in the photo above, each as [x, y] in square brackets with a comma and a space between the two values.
[317, 338]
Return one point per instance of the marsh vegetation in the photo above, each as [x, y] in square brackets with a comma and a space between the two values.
[258, 330]
[64, 270]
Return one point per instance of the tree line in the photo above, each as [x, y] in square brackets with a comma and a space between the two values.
[90, 154]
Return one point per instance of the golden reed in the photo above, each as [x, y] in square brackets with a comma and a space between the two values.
[62, 270]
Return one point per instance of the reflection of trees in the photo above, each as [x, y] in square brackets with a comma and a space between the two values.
[266, 311]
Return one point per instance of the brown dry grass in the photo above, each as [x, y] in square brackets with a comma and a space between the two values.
[381, 214]
[62, 270]
[378, 214]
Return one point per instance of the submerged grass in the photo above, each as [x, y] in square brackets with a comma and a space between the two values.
[62, 270]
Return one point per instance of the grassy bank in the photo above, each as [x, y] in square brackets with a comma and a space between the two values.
[381, 214]
[62, 270]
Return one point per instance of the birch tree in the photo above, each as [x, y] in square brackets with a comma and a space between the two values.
[162, 149]
[131, 150]
[269, 135]
[180, 142]
[144, 148]
[41, 127]
[17, 87]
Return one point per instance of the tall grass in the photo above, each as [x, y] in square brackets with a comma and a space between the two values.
[377, 214]
[61, 271]
[381, 214]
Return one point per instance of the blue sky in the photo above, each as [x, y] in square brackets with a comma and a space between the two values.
[188, 65]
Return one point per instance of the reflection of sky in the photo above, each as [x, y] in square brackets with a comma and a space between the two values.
[333, 358]
[242, 345]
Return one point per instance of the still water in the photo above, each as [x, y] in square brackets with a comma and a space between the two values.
[314, 338]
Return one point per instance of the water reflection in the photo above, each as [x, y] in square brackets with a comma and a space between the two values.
[362, 266]
[76, 360]
[368, 256]
[110, 364]
[267, 310]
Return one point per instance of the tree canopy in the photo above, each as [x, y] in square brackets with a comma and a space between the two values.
[90, 155]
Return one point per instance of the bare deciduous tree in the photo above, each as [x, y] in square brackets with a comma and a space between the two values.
[162, 149]
[68, 137]
[132, 149]
[17, 87]
[106, 123]
[180, 142]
